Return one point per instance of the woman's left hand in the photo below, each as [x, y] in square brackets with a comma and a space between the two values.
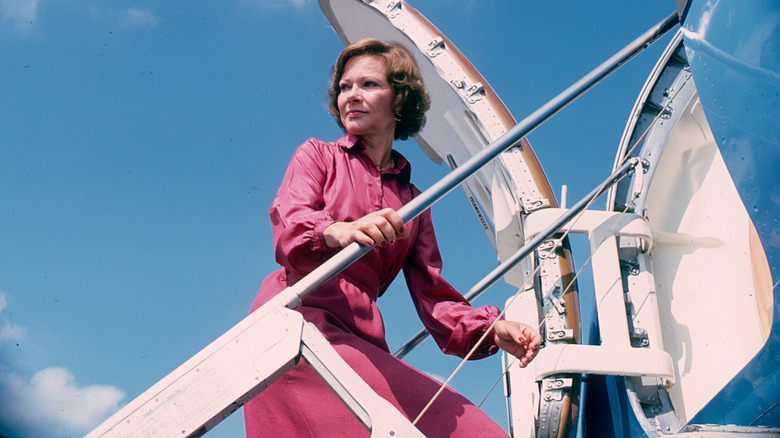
[517, 339]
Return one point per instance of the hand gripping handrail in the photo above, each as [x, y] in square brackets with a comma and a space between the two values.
[291, 297]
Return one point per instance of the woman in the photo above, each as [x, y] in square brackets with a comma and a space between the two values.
[336, 193]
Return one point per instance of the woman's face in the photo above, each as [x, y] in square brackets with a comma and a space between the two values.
[365, 98]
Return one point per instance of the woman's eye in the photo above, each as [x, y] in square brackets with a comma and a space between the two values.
[343, 87]
[371, 84]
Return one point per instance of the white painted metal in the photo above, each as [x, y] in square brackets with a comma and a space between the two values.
[704, 274]
[240, 364]
[598, 359]
[376, 413]
[615, 354]
[709, 272]
[251, 355]
[522, 384]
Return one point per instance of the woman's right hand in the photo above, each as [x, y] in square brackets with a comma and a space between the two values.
[380, 227]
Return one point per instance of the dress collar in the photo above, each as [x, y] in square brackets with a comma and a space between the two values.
[403, 168]
[349, 141]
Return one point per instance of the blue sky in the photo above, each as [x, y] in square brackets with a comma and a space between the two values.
[141, 143]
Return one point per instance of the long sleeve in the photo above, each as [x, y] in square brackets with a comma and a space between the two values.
[298, 217]
[453, 323]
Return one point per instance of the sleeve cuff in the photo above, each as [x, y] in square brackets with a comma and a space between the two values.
[318, 242]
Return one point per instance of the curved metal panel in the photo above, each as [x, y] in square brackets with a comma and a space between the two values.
[734, 51]
[710, 271]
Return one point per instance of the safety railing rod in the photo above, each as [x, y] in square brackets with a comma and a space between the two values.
[291, 297]
[527, 248]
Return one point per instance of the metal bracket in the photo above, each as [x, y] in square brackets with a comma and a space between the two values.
[551, 406]
[472, 93]
[560, 335]
[393, 8]
[435, 47]
[618, 353]
[639, 338]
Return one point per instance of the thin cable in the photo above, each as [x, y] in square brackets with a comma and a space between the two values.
[500, 378]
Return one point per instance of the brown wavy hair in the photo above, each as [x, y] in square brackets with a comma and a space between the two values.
[403, 74]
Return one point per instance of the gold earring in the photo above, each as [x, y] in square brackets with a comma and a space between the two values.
[397, 117]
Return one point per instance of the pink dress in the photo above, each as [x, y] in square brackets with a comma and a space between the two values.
[336, 181]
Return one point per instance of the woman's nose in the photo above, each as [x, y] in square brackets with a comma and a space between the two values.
[351, 93]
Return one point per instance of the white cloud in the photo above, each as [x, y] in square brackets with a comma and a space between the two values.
[19, 13]
[134, 18]
[8, 331]
[50, 402]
